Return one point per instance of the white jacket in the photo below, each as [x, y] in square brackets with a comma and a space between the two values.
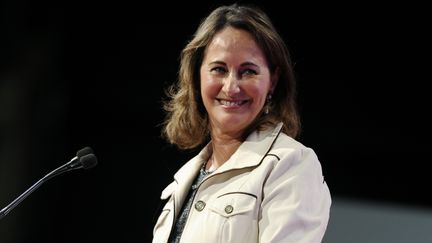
[270, 190]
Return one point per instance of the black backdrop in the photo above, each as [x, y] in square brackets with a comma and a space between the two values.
[93, 73]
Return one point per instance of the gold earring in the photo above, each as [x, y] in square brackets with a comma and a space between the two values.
[269, 96]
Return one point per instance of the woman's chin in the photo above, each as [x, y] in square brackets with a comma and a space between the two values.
[232, 124]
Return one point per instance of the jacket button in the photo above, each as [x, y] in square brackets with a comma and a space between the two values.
[229, 209]
[200, 205]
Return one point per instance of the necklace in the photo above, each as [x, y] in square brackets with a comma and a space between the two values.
[210, 169]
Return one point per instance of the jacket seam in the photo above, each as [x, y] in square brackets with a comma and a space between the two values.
[245, 193]
[277, 157]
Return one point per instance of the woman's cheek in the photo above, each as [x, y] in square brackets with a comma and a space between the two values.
[210, 88]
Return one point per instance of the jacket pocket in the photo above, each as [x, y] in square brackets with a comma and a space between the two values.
[233, 203]
[233, 217]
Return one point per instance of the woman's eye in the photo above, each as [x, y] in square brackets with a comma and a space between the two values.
[218, 70]
[249, 72]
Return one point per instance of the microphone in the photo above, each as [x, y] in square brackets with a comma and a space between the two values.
[84, 159]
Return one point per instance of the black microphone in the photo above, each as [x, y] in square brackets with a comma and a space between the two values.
[84, 159]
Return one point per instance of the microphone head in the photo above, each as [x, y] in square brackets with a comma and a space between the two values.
[88, 161]
[84, 151]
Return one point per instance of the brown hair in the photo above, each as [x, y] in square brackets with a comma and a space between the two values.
[186, 123]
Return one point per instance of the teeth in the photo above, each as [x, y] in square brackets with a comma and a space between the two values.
[231, 103]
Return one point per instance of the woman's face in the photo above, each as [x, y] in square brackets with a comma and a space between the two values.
[235, 81]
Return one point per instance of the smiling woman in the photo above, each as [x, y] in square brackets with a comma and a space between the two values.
[235, 81]
[252, 181]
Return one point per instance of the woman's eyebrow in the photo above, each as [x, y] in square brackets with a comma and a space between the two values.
[248, 64]
[217, 63]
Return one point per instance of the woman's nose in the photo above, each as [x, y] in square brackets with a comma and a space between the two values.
[231, 85]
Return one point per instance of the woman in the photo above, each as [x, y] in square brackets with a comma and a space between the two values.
[252, 182]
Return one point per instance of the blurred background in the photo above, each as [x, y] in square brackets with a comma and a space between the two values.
[75, 74]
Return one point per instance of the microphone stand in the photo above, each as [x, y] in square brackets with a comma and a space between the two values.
[86, 161]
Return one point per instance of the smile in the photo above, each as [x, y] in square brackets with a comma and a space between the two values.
[232, 103]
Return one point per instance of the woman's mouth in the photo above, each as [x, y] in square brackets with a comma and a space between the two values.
[232, 103]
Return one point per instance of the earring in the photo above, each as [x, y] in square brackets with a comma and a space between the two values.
[269, 96]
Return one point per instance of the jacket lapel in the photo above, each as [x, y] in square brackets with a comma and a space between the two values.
[185, 177]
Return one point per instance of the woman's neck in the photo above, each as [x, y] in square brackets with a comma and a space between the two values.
[222, 148]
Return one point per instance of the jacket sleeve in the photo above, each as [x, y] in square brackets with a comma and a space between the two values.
[296, 200]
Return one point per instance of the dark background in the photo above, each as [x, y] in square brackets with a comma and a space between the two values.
[77, 74]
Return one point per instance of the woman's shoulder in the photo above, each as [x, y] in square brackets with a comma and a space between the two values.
[285, 146]
[288, 142]
[284, 142]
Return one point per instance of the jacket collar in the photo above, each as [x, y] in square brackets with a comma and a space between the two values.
[250, 153]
